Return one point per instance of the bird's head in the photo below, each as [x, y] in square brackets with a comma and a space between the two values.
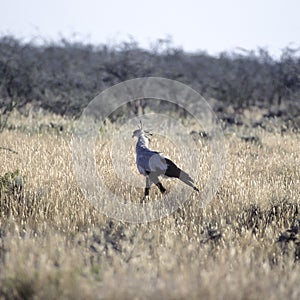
[140, 132]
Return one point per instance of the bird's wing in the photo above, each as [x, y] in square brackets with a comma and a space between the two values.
[151, 161]
[158, 163]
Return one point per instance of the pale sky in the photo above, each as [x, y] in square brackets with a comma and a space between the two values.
[210, 25]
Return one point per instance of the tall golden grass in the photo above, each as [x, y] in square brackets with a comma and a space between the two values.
[244, 245]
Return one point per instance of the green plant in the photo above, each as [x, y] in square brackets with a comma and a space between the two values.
[11, 182]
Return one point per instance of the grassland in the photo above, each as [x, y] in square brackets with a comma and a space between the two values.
[55, 245]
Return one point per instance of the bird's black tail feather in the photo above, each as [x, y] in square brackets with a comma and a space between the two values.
[174, 171]
[186, 178]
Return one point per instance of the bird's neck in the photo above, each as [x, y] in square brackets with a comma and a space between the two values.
[143, 141]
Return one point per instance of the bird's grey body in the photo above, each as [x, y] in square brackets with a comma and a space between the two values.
[153, 164]
[147, 160]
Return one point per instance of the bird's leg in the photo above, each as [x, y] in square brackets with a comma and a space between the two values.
[154, 179]
[161, 187]
[147, 188]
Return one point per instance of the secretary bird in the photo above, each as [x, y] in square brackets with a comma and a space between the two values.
[152, 164]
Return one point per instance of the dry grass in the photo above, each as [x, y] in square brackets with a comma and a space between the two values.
[243, 245]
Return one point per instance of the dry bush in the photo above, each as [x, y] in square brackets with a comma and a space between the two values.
[243, 245]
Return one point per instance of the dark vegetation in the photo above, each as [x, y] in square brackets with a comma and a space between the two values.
[63, 77]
